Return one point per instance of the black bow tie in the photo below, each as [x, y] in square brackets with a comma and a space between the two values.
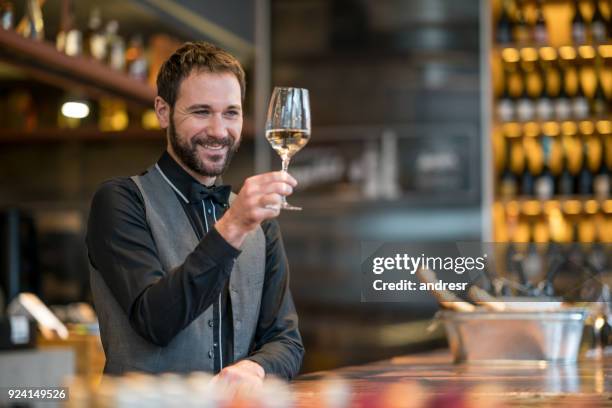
[219, 194]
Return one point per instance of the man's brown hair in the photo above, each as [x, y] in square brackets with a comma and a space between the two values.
[195, 56]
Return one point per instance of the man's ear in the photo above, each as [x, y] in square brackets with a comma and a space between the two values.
[162, 110]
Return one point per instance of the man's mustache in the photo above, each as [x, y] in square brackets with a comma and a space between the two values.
[206, 140]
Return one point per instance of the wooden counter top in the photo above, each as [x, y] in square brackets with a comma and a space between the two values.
[432, 380]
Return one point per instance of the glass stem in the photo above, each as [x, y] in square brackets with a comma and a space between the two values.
[286, 161]
[285, 165]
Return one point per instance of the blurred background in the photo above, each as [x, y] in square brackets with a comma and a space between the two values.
[433, 121]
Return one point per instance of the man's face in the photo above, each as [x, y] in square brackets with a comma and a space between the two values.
[206, 121]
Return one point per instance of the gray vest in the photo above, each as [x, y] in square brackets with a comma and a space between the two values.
[190, 349]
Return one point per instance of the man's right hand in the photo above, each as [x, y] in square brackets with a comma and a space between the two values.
[259, 199]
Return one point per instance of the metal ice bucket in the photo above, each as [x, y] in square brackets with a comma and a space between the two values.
[485, 336]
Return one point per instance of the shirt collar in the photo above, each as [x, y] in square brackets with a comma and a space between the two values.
[183, 181]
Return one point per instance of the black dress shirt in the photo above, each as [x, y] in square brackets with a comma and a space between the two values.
[161, 304]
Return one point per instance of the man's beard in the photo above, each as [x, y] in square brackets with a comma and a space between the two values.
[187, 152]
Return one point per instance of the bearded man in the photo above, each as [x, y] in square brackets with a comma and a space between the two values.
[187, 276]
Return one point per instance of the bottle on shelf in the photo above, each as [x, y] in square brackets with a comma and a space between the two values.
[35, 27]
[7, 15]
[95, 44]
[136, 61]
[584, 181]
[508, 186]
[544, 105]
[599, 102]
[527, 180]
[504, 29]
[540, 32]
[69, 39]
[578, 25]
[598, 24]
[522, 32]
[580, 104]
[609, 20]
[563, 106]
[525, 106]
[115, 46]
[545, 182]
[565, 181]
[601, 181]
[506, 104]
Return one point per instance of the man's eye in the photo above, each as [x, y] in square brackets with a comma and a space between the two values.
[232, 113]
[202, 112]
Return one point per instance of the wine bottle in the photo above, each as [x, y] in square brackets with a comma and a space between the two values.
[527, 181]
[563, 107]
[540, 34]
[506, 104]
[69, 39]
[544, 104]
[599, 101]
[609, 20]
[601, 181]
[565, 181]
[508, 186]
[95, 44]
[504, 26]
[35, 27]
[522, 34]
[137, 64]
[584, 181]
[580, 104]
[598, 24]
[578, 25]
[545, 183]
[7, 15]
[115, 46]
[525, 107]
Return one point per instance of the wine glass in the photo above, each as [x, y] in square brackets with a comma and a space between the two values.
[288, 126]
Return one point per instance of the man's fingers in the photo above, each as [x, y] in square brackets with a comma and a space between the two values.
[271, 201]
[278, 187]
[275, 176]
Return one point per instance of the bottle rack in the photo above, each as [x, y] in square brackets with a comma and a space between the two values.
[551, 133]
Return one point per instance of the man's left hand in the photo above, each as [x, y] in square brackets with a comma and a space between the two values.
[241, 378]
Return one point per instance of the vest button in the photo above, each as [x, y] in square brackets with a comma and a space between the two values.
[210, 354]
[210, 323]
[215, 345]
[208, 211]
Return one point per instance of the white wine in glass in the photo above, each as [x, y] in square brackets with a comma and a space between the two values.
[288, 125]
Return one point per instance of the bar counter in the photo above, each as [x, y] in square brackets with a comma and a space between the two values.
[432, 380]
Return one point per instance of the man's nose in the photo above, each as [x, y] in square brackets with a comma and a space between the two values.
[216, 126]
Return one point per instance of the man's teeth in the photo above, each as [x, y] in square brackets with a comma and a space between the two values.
[214, 146]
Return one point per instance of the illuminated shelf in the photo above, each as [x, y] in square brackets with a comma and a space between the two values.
[568, 204]
[514, 52]
[555, 127]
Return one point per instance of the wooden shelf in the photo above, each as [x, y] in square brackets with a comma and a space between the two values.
[94, 134]
[41, 60]
[554, 127]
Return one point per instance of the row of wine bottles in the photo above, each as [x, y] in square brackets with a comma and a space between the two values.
[514, 26]
[550, 90]
[578, 221]
[545, 167]
[98, 41]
